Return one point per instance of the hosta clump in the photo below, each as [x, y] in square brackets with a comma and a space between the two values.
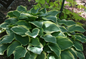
[38, 34]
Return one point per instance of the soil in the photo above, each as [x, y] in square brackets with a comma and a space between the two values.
[29, 5]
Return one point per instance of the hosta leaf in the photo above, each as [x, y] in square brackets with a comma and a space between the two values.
[52, 57]
[64, 42]
[21, 9]
[11, 20]
[66, 22]
[51, 13]
[16, 13]
[43, 10]
[77, 28]
[63, 29]
[50, 27]
[49, 38]
[34, 11]
[19, 52]
[80, 55]
[80, 38]
[22, 40]
[2, 30]
[12, 47]
[78, 46]
[41, 56]
[7, 39]
[20, 30]
[35, 42]
[67, 55]
[10, 14]
[30, 56]
[37, 23]
[52, 18]
[22, 22]
[72, 50]
[27, 16]
[34, 33]
[3, 25]
[58, 34]
[41, 31]
[3, 48]
[55, 48]
[36, 50]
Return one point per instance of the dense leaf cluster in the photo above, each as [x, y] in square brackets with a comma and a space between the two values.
[38, 34]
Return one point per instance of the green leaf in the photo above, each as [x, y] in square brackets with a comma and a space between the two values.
[12, 47]
[64, 42]
[7, 39]
[77, 28]
[37, 23]
[19, 52]
[3, 48]
[22, 40]
[2, 30]
[52, 18]
[36, 50]
[41, 56]
[55, 48]
[34, 33]
[24, 23]
[20, 30]
[16, 13]
[67, 55]
[78, 46]
[49, 38]
[21, 9]
[52, 57]
[34, 11]
[30, 56]
[80, 55]
[11, 20]
[80, 38]
[3, 25]
[10, 14]
[35, 42]
[63, 29]
[66, 22]
[50, 27]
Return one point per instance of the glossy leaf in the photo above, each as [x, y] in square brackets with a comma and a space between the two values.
[19, 52]
[35, 50]
[80, 55]
[16, 13]
[49, 38]
[34, 33]
[50, 27]
[20, 30]
[12, 47]
[37, 23]
[55, 48]
[64, 42]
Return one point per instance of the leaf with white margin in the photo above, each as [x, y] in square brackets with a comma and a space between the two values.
[12, 47]
[37, 23]
[34, 33]
[19, 52]
[3, 48]
[20, 30]
[49, 38]
[50, 27]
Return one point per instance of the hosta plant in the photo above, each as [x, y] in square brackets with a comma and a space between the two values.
[38, 34]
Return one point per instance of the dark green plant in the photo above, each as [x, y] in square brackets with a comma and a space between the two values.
[38, 34]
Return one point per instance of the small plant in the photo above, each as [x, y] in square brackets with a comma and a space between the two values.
[38, 34]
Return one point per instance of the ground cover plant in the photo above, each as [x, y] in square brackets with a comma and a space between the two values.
[39, 34]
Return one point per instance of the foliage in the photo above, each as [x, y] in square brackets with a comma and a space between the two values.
[56, 5]
[38, 34]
